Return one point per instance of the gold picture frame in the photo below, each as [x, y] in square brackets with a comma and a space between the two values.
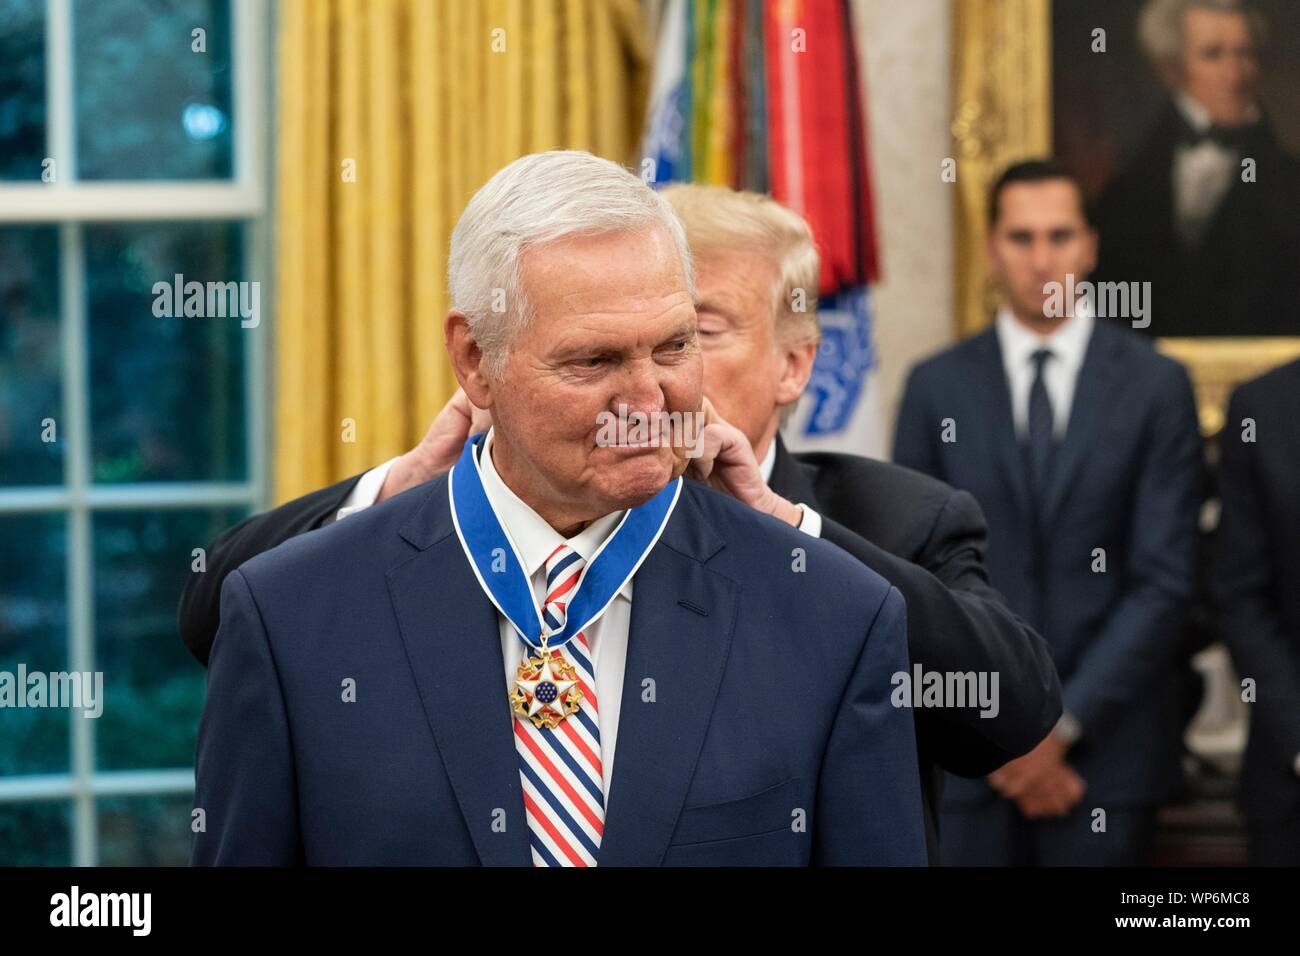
[1002, 112]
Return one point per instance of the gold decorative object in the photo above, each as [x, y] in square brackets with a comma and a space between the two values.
[1002, 76]
[1219, 364]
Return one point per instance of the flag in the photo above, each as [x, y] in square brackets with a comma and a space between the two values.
[839, 410]
[767, 95]
[667, 141]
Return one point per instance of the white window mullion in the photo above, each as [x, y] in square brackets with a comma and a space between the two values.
[249, 26]
[256, 373]
[112, 783]
[60, 100]
[80, 561]
[126, 202]
[136, 497]
[254, 87]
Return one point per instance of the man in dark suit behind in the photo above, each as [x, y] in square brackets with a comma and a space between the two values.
[1257, 589]
[919, 534]
[1218, 242]
[1081, 445]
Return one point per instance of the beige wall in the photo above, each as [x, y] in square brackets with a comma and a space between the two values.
[907, 96]
[908, 99]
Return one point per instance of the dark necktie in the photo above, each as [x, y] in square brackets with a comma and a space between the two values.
[1040, 428]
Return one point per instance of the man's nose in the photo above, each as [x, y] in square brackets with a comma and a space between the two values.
[1040, 257]
[641, 387]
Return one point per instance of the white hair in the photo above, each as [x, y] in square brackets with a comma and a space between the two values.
[1160, 27]
[537, 199]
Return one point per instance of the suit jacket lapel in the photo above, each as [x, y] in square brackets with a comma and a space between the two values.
[680, 634]
[452, 637]
[1094, 393]
[997, 394]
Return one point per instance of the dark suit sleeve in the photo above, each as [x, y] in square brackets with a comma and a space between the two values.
[956, 622]
[1244, 588]
[1141, 636]
[200, 601]
[868, 810]
[915, 433]
[244, 774]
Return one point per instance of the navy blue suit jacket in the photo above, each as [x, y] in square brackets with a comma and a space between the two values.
[1257, 583]
[1127, 478]
[770, 738]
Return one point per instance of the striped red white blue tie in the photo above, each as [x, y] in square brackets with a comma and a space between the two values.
[560, 768]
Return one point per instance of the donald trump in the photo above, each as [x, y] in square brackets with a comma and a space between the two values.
[561, 653]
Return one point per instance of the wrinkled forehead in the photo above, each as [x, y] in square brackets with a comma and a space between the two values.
[631, 270]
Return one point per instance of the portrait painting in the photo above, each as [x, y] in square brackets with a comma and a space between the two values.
[1182, 120]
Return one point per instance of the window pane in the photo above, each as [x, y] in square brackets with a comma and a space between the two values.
[166, 394]
[149, 105]
[145, 831]
[153, 688]
[22, 88]
[33, 635]
[29, 356]
[36, 834]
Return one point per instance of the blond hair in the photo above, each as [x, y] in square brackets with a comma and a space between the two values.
[718, 219]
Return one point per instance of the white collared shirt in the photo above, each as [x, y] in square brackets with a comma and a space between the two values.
[1202, 174]
[1068, 345]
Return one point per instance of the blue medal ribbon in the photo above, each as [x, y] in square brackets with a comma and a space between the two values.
[486, 543]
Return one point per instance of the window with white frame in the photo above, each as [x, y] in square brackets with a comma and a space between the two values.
[132, 421]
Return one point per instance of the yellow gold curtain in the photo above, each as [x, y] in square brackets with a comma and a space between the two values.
[391, 114]
[1002, 99]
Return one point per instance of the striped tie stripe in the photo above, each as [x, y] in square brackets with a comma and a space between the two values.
[560, 769]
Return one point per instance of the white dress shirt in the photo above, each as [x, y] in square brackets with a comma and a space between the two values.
[366, 490]
[1068, 345]
[1202, 174]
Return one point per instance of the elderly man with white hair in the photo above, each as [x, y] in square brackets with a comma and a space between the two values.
[755, 265]
[560, 653]
[1205, 208]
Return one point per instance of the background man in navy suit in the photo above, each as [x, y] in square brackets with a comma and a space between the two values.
[1081, 445]
[751, 257]
[745, 677]
[1257, 587]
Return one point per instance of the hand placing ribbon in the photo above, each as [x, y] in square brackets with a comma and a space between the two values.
[727, 463]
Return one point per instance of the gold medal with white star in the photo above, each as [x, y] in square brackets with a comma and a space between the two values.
[546, 689]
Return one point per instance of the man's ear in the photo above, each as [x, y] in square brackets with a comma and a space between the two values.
[467, 360]
[796, 369]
